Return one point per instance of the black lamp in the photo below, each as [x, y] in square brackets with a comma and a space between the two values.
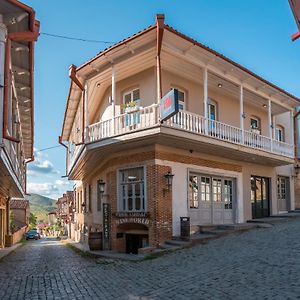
[101, 186]
[169, 179]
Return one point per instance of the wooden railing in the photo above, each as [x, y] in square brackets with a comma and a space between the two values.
[141, 118]
[16, 160]
[200, 125]
[147, 117]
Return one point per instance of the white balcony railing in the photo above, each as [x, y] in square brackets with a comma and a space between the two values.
[149, 116]
[139, 119]
[200, 125]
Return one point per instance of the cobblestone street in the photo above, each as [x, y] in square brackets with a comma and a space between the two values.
[259, 264]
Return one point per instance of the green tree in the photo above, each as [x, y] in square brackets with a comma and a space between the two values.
[32, 220]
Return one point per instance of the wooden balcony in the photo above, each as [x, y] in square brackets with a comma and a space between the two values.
[13, 168]
[186, 124]
[149, 117]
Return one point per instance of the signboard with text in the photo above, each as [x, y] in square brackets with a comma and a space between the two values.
[106, 226]
[169, 105]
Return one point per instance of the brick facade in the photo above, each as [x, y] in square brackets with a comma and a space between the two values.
[158, 222]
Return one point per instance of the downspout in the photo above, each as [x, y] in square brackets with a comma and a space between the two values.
[73, 77]
[160, 18]
[67, 154]
[27, 162]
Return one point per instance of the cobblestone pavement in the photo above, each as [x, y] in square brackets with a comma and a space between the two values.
[259, 264]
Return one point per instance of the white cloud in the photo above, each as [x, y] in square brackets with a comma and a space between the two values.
[49, 189]
[41, 165]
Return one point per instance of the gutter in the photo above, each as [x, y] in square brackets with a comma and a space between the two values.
[67, 154]
[160, 18]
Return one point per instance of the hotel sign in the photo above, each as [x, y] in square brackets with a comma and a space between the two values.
[106, 226]
[169, 105]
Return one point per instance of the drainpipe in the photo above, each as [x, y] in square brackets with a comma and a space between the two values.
[73, 77]
[160, 18]
[67, 153]
[27, 162]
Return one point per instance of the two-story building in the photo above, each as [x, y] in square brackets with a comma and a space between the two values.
[18, 32]
[226, 157]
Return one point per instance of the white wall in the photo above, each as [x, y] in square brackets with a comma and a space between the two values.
[180, 193]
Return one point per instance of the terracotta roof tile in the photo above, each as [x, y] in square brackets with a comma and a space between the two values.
[19, 204]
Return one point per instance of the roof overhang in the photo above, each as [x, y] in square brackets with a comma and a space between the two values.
[295, 7]
[23, 30]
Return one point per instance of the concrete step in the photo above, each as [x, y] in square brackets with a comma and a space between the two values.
[269, 220]
[178, 243]
[166, 246]
[219, 232]
[237, 227]
[206, 228]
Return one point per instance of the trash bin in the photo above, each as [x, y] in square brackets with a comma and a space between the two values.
[185, 227]
[95, 240]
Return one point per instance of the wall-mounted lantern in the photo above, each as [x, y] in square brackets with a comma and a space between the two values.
[169, 179]
[101, 186]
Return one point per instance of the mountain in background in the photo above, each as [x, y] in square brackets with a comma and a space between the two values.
[41, 206]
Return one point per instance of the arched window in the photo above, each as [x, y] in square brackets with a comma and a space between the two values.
[279, 133]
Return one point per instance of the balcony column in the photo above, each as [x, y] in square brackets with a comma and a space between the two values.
[242, 113]
[292, 138]
[113, 97]
[270, 122]
[205, 98]
[86, 112]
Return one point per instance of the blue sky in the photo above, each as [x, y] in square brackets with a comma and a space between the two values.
[253, 33]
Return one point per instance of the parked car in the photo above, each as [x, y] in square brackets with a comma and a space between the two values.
[32, 234]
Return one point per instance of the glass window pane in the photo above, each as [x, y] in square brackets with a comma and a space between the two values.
[193, 191]
[127, 98]
[136, 94]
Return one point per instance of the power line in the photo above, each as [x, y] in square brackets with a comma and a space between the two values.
[40, 150]
[75, 39]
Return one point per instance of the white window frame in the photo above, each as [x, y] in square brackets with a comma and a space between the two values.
[130, 91]
[258, 128]
[119, 189]
[183, 103]
[211, 103]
